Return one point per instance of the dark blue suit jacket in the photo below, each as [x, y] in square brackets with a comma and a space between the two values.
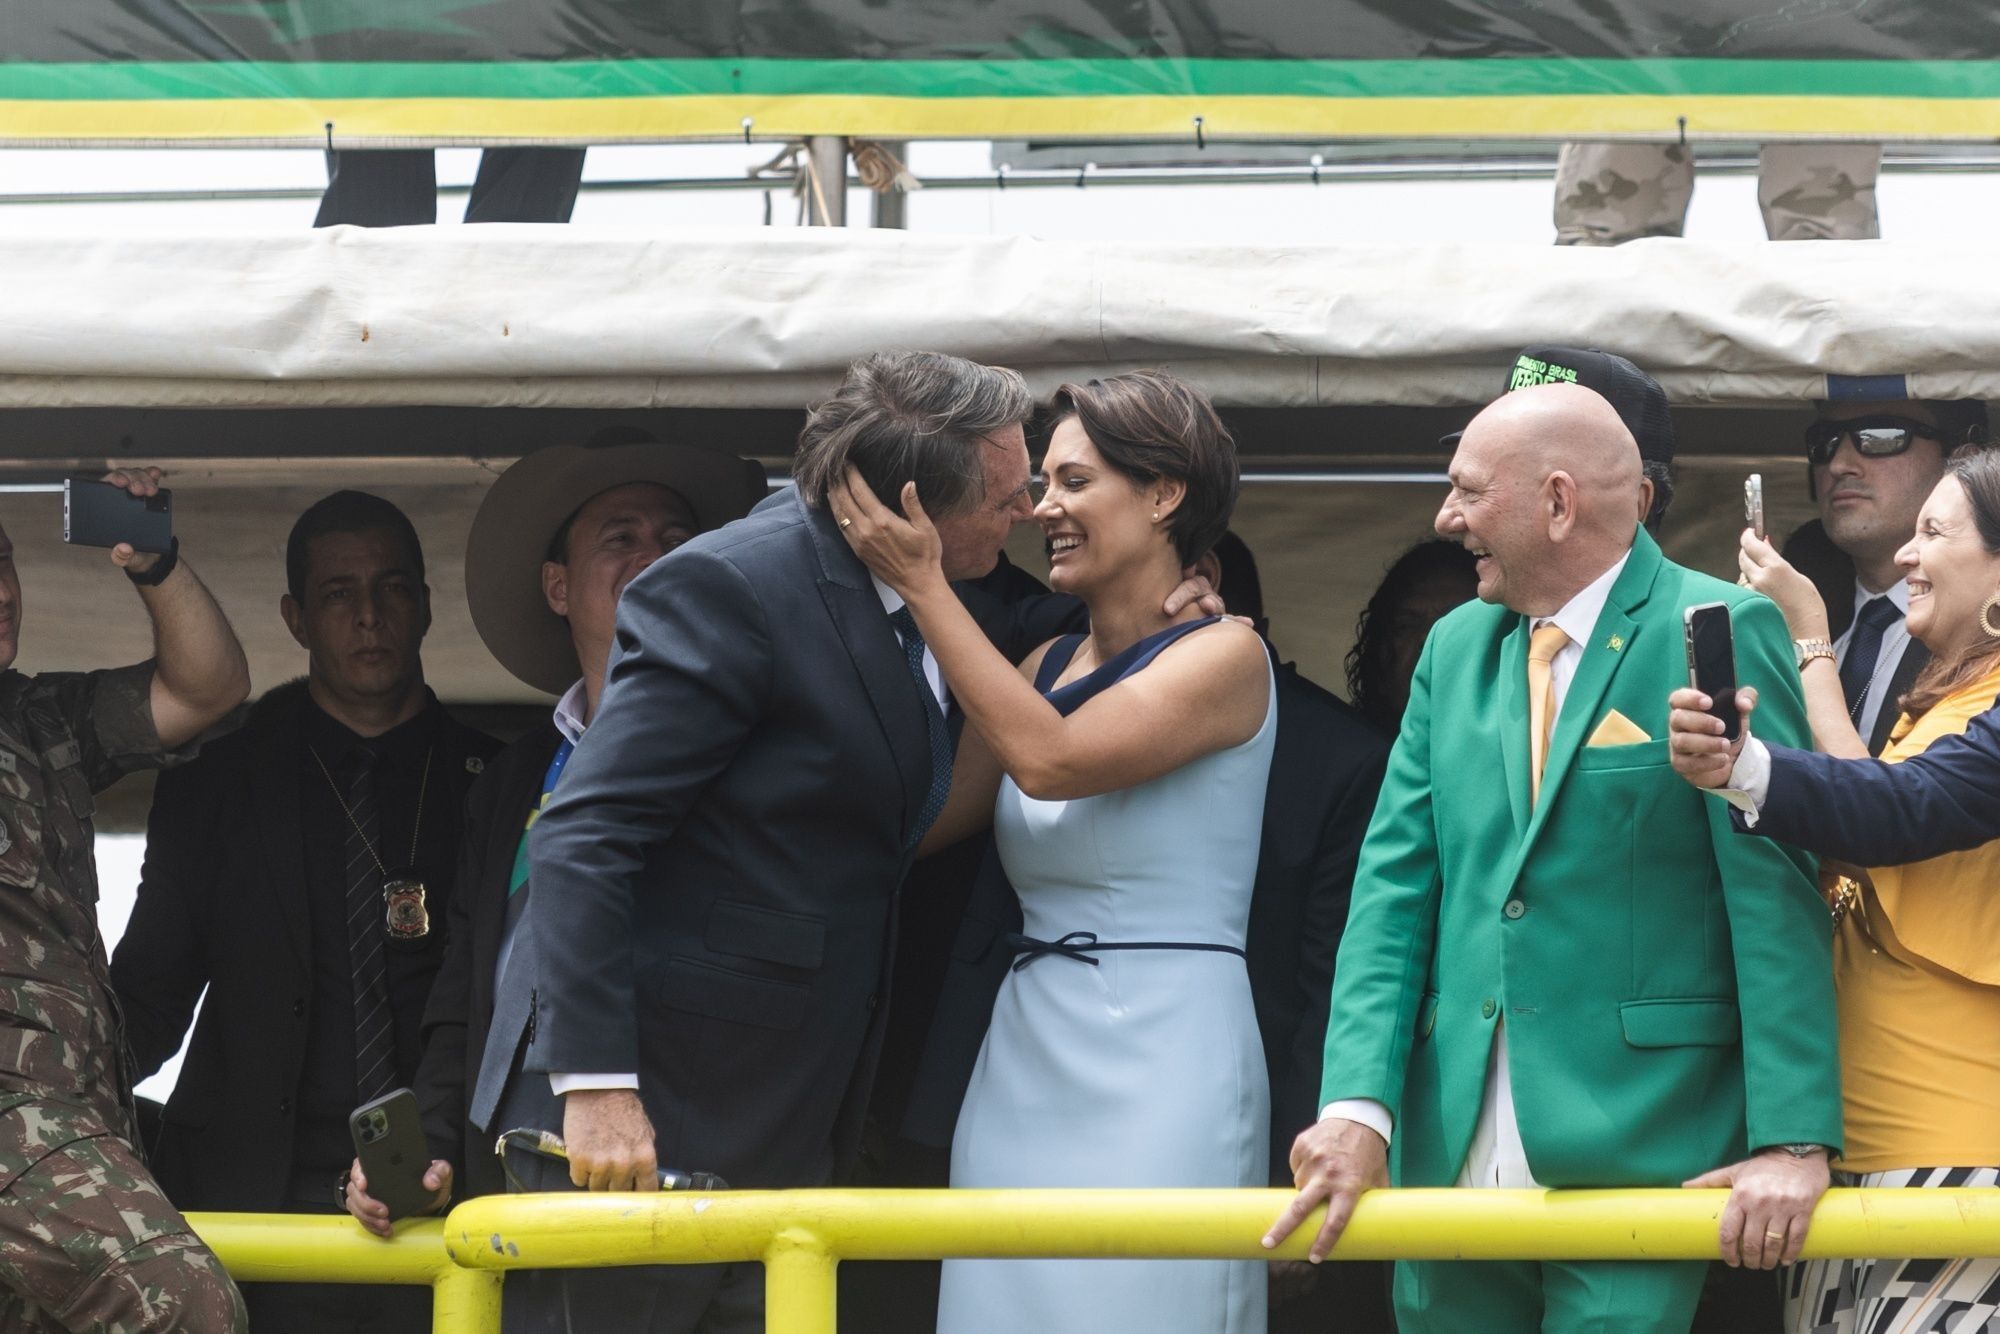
[713, 884]
[1875, 814]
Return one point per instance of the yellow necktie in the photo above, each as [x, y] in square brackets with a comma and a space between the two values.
[1543, 645]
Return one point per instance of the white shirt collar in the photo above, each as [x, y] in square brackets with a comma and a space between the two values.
[892, 601]
[1898, 593]
[1578, 617]
[569, 712]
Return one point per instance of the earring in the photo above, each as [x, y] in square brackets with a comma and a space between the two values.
[1156, 516]
[1986, 616]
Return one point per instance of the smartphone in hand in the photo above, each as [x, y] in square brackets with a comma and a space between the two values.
[389, 1140]
[98, 514]
[1711, 655]
[1753, 502]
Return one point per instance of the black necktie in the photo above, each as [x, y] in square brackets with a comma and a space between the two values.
[1864, 650]
[374, 1031]
[940, 735]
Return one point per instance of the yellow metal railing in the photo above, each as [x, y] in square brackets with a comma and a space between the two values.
[318, 1248]
[801, 1236]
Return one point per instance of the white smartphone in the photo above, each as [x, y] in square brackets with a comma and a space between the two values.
[1753, 502]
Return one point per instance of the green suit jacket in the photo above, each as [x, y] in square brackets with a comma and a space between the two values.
[1667, 985]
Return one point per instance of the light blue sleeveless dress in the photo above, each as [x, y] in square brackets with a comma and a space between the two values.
[1142, 1069]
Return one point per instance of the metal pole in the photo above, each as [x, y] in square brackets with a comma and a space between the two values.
[466, 1301]
[801, 1291]
[891, 208]
[826, 184]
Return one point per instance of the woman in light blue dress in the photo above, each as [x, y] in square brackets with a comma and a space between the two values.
[1124, 773]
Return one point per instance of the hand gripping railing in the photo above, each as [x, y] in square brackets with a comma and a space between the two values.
[801, 1235]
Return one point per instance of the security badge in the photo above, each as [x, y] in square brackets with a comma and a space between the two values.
[409, 917]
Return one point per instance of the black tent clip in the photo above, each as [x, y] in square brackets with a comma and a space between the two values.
[1200, 143]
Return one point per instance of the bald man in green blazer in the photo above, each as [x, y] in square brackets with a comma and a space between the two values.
[1578, 977]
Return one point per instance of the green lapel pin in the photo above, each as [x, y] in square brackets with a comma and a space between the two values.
[1615, 643]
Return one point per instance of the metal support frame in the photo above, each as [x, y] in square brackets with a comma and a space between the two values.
[891, 208]
[826, 180]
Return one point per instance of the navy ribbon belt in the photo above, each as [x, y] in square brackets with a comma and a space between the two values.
[1082, 945]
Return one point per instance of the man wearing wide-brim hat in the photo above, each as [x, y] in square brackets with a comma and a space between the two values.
[555, 541]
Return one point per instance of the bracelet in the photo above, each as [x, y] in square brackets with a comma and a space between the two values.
[163, 567]
[340, 1189]
[1805, 650]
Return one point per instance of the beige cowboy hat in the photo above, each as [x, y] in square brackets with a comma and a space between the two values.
[529, 504]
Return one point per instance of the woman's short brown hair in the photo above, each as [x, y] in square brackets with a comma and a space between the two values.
[1150, 426]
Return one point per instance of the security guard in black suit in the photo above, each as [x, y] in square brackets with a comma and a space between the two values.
[301, 871]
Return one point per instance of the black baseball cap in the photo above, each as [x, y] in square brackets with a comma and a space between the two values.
[1640, 402]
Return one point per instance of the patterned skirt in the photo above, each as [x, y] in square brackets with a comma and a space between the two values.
[1897, 1296]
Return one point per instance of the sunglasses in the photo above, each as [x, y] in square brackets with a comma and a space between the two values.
[1872, 437]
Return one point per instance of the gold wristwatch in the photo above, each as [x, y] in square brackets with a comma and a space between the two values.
[1805, 650]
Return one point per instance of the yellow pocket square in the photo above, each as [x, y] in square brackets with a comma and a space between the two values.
[1617, 730]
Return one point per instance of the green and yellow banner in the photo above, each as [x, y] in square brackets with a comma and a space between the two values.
[365, 73]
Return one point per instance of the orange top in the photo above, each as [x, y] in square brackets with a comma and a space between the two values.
[1917, 971]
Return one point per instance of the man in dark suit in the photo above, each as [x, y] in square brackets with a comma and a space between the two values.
[556, 540]
[715, 877]
[1871, 465]
[301, 871]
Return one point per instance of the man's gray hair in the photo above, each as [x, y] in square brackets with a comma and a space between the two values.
[910, 417]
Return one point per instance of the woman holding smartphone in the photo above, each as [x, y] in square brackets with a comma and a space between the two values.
[1917, 947]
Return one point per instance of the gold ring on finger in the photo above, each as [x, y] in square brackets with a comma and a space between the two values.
[1774, 1235]
[845, 522]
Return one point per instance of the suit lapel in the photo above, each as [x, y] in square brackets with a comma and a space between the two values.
[1585, 696]
[274, 790]
[1915, 655]
[1511, 691]
[503, 841]
[856, 612]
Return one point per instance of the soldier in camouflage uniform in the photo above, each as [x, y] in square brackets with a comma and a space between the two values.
[87, 1241]
[1612, 192]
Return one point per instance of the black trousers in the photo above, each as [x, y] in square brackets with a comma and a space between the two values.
[397, 187]
[892, 1296]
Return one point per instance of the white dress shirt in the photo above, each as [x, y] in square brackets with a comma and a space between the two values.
[1750, 780]
[891, 600]
[1496, 1156]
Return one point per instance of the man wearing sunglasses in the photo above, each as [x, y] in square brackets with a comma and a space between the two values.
[1871, 464]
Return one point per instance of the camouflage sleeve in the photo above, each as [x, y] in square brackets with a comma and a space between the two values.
[110, 713]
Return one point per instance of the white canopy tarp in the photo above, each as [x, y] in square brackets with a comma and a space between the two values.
[498, 316]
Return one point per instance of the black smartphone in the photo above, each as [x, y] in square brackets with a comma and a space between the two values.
[389, 1140]
[98, 514]
[1711, 652]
